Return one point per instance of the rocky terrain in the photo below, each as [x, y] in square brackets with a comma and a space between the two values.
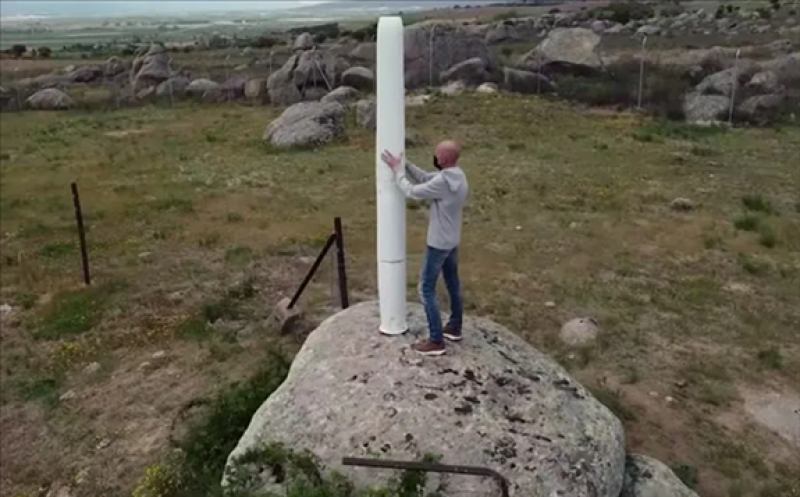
[568, 58]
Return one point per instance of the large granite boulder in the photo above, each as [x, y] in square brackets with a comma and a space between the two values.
[492, 401]
[565, 50]
[307, 124]
[359, 78]
[151, 69]
[304, 72]
[433, 47]
[647, 477]
[50, 99]
[703, 109]
[472, 72]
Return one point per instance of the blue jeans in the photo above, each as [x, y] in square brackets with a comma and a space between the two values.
[446, 262]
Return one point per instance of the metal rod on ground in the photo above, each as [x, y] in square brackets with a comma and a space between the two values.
[430, 467]
[735, 84]
[641, 73]
[76, 200]
[340, 264]
[307, 279]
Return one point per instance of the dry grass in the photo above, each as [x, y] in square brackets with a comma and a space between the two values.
[192, 218]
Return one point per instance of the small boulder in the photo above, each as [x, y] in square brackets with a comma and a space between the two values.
[487, 88]
[256, 89]
[701, 109]
[307, 124]
[471, 71]
[174, 87]
[200, 86]
[681, 204]
[50, 99]
[764, 82]
[762, 108]
[359, 78]
[723, 82]
[314, 93]
[344, 95]
[648, 477]
[151, 69]
[303, 42]
[367, 114]
[526, 82]
[453, 88]
[365, 52]
[86, 74]
[580, 331]
[567, 50]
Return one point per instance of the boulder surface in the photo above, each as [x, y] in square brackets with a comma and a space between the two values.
[492, 401]
[647, 477]
[307, 124]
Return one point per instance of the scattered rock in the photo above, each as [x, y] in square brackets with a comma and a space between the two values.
[86, 74]
[417, 100]
[647, 477]
[6, 310]
[173, 87]
[68, 395]
[580, 331]
[526, 82]
[705, 108]
[159, 354]
[307, 124]
[471, 71]
[151, 69]
[499, 403]
[565, 50]
[199, 87]
[433, 47]
[681, 204]
[367, 114]
[50, 99]
[102, 444]
[453, 88]
[365, 51]
[762, 108]
[487, 88]
[92, 368]
[359, 78]
[765, 82]
[303, 42]
[256, 89]
[343, 94]
[550, 304]
[59, 491]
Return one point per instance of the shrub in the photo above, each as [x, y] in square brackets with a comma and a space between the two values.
[45, 52]
[624, 12]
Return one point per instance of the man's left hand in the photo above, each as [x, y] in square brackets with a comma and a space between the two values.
[395, 162]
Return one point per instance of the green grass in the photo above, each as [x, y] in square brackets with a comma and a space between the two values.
[551, 216]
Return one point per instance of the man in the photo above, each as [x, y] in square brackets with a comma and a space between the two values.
[446, 190]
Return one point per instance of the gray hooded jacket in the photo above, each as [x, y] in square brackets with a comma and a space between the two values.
[447, 191]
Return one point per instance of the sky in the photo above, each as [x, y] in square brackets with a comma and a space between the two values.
[13, 8]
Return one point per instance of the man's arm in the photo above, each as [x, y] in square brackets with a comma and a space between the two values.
[433, 189]
[417, 174]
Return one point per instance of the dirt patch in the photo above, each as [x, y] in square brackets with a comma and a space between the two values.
[779, 412]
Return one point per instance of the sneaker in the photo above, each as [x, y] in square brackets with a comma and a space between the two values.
[427, 347]
[452, 334]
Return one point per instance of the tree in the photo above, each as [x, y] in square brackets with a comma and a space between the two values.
[18, 50]
[45, 52]
[776, 5]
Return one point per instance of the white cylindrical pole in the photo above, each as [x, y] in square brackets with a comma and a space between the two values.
[391, 129]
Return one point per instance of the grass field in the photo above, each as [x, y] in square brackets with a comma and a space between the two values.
[196, 228]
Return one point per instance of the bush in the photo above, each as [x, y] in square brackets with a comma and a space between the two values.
[624, 12]
[45, 52]
[18, 50]
[662, 93]
[210, 439]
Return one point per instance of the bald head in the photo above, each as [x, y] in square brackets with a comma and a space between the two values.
[448, 152]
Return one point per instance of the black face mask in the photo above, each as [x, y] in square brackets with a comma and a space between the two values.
[436, 163]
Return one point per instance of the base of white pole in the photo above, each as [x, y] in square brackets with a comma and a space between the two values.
[392, 333]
